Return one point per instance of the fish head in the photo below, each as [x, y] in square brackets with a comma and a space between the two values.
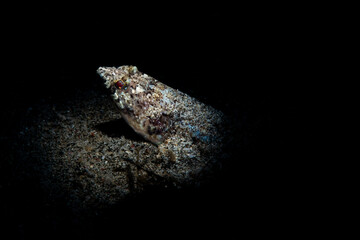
[132, 91]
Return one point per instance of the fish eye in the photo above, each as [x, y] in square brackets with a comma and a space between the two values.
[120, 84]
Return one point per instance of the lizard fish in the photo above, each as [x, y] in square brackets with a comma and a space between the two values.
[181, 126]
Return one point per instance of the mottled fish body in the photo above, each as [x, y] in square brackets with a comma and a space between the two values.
[182, 126]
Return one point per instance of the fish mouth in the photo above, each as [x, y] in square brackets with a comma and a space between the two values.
[107, 74]
[102, 71]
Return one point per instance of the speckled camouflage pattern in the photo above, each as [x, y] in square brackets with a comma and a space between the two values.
[188, 133]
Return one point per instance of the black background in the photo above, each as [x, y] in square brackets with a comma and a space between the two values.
[252, 62]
